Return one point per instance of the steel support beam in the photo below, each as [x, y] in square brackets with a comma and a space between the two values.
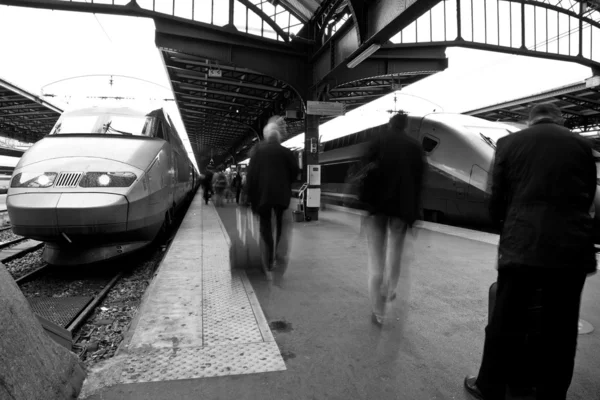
[277, 60]
[191, 74]
[372, 23]
[131, 9]
[394, 61]
[204, 89]
[266, 18]
[211, 100]
[219, 117]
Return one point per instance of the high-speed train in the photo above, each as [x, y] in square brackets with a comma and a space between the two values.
[104, 182]
[459, 151]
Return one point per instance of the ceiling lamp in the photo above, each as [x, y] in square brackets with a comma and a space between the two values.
[364, 55]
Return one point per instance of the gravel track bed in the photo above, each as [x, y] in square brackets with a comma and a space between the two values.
[24, 265]
[8, 235]
[99, 337]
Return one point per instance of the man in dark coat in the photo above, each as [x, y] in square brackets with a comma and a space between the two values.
[271, 172]
[393, 200]
[207, 188]
[543, 185]
[236, 184]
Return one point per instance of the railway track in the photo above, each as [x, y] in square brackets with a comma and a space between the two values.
[61, 316]
[87, 309]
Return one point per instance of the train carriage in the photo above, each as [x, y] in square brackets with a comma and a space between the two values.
[459, 151]
[103, 183]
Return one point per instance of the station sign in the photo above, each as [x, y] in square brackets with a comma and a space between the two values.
[214, 73]
[326, 108]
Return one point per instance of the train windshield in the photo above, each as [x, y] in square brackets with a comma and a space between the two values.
[104, 125]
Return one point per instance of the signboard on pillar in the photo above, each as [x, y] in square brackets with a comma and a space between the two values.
[325, 108]
[314, 175]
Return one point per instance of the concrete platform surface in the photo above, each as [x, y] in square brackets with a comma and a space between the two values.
[198, 318]
[319, 314]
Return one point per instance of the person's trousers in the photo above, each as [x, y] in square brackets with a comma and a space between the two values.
[270, 248]
[385, 237]
[518, 348]
[237, 195]
[206, 195]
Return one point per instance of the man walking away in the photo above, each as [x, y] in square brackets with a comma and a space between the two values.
[393, 201]
[271, 172]
[543, 185]
[207, 188]
[237, 186]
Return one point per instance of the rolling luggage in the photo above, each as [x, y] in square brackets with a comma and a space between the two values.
[244, 251]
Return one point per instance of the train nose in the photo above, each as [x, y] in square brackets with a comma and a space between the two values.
[56, 216]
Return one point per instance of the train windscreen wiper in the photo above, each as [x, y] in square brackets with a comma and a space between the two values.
[488, 140]
[109, 127]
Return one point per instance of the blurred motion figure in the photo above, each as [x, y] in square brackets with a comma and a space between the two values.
[391, 191]
[272, 170]
[207, 189]
[543, 186]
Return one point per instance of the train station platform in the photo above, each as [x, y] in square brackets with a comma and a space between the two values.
[204, 332]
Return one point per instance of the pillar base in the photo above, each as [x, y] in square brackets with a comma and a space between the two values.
[312, 213]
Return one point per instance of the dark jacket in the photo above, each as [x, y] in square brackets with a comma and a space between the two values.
[236, 183]
[400, 162]
[543, 185]
[207, 181]
[271, 172]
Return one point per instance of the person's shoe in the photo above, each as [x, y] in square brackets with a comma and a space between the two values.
[472, 388]
[376, 320]
[269, 275]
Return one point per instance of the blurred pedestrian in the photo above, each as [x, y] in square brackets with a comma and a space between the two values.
[543, 186]
[207, 188]
[237, 187]
[220, 186]
[391, 192]
[271, 172]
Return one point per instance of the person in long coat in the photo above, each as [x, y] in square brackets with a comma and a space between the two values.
[271, 172]
[392, 195]
[543, 186]
[207, 188]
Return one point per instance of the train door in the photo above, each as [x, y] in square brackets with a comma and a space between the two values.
[478, 194]
[477, 184]
[167, 170]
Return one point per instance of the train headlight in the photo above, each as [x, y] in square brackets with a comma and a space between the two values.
[33, 180]
[103, 180]
[107, 179]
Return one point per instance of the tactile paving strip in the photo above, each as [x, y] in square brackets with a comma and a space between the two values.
[228, 315]
[235, 336]
[196, 362]
[60, 310]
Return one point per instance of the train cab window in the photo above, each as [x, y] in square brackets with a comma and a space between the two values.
[161, 131]
[429, 144]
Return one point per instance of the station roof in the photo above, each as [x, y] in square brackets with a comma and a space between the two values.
[217, 111]
[303, 9]
[579, 103]
[220, 111]
[24, 116]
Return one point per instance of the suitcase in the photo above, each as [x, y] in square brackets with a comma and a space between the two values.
[244, 251]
